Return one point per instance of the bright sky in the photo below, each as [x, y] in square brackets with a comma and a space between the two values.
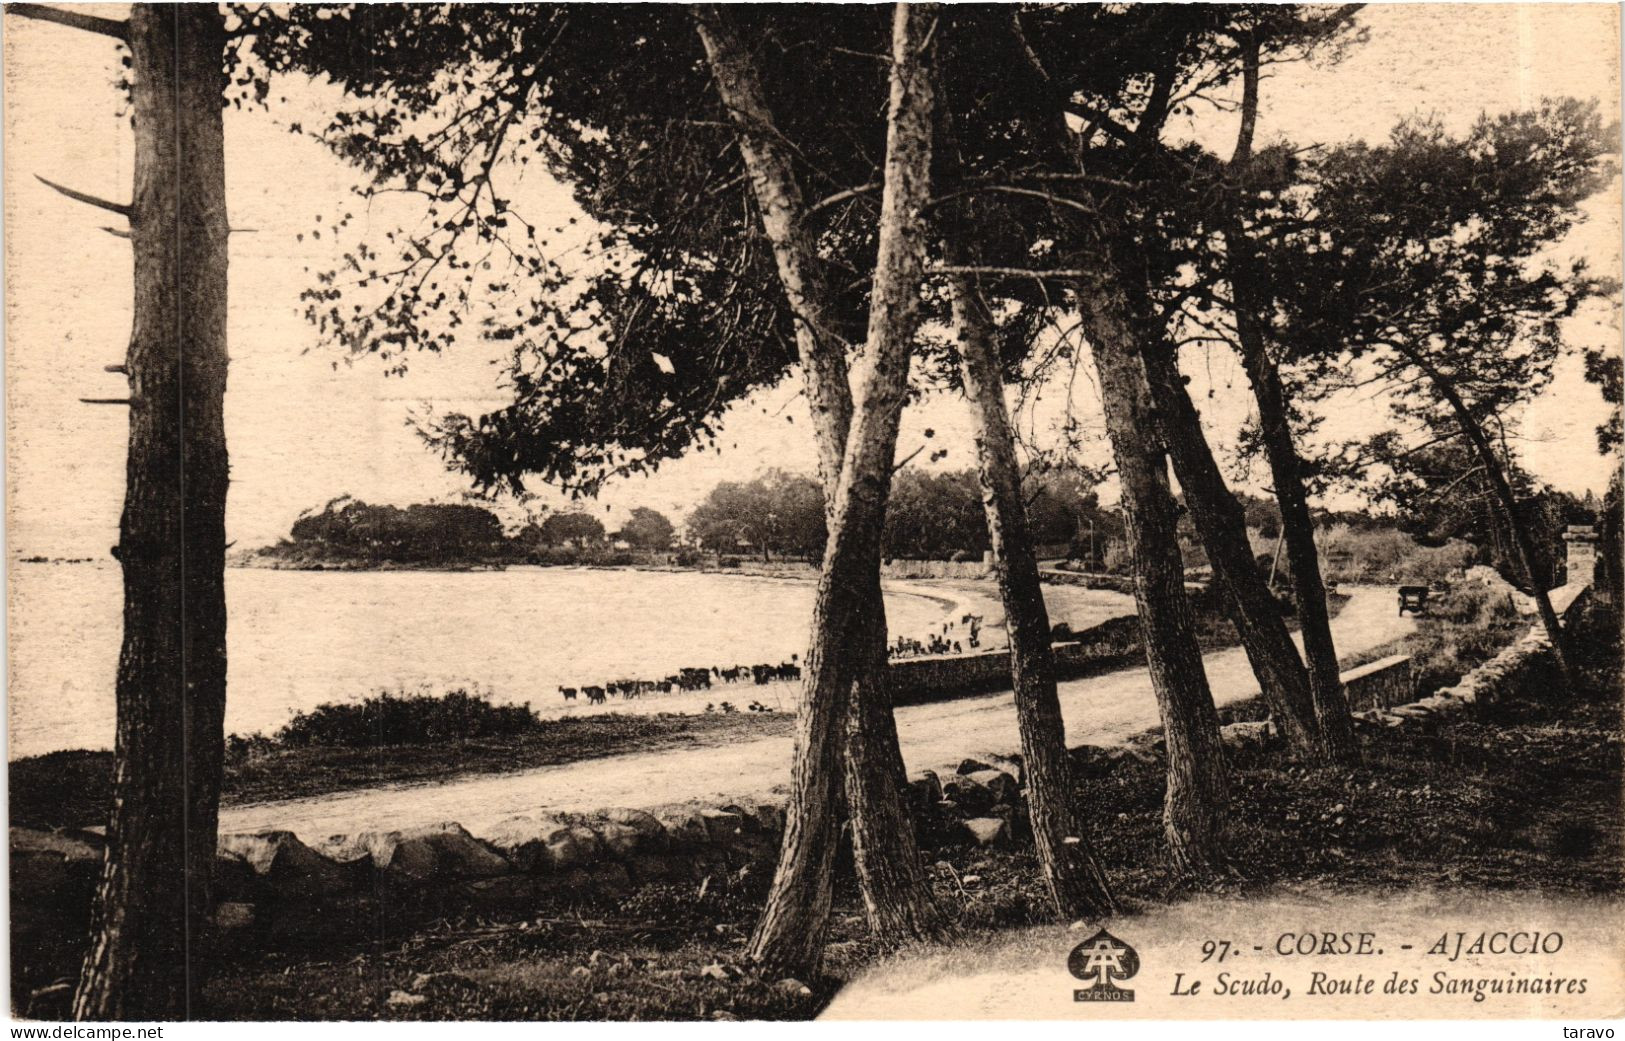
[306, 426]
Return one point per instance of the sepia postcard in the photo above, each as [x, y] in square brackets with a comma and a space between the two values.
[709, 512]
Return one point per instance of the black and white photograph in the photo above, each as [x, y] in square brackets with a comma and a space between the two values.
[619, 512]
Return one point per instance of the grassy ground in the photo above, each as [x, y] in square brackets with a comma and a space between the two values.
[1523, 796]
[72, 789]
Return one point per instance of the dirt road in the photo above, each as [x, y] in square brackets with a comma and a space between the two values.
[1104, 710]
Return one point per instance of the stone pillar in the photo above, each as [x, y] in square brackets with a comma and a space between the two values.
[1580, 557]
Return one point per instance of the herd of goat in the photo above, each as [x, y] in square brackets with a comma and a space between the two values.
[686, 679]
[702, 679]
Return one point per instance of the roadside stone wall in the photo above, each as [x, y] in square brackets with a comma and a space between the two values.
[934, 569]
[943, 677]
[1526, 661]
[1087, 579]
[1383, 683]
[274, 884]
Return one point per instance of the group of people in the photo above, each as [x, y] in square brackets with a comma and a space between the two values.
[947, 640]
[686, 680]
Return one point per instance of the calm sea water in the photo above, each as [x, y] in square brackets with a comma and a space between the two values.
[300, 638]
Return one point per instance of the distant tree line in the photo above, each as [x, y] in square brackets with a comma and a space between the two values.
[351, 531]
[931, 515]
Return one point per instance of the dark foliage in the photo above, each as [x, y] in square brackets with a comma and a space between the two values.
[397, 719]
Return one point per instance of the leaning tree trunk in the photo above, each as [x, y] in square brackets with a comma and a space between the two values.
[888, 859]
[1196, 807]
[790, 934]
[1077, 885]
[1331, 704]
[152, 905]
[1222, 526]
[1522, 545]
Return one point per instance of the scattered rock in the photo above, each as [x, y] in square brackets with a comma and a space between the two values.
[523, 840]
[793, 987]
[1251, 736]
[232, 915]
[987, 831]
[1002, 785]
[290, 867]
[619, 840]
[721, 825]
[770, 815]
[401, 999]
[683, 827]
[714, 971]
[925, 790]
[967, 796]
[970, 766]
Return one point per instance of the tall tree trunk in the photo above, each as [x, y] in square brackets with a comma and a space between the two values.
[897, 897]
[1196, 807]
[895, 889]
[152, 904]
[1076, 882]
[1330, 701]
[1331, 706]
[897, 894]
[1223, 529]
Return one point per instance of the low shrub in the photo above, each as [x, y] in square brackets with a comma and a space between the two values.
[396, 719]
[1388, 555]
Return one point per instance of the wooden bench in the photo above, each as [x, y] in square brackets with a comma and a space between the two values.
[1413, 599]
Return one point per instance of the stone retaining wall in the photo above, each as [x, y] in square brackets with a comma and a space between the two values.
[943, 677]
[934, 569]
[1380, 684]
[1087, 579]
[1525, 662]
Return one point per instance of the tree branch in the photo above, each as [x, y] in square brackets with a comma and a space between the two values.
[73, 19]
[90, 200]
[1013, 272]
